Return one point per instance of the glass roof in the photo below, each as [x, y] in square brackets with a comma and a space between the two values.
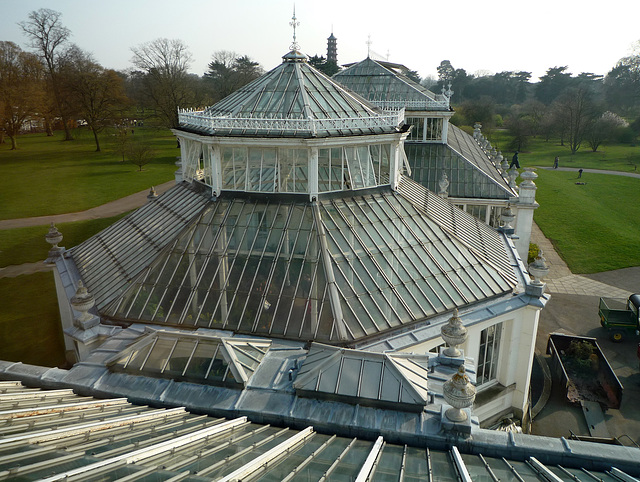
[367, 378]
[294, 99]
[338, 269]
[469, 175]
[196, 358]
[384, 85]
[83, 438]
[108, 260]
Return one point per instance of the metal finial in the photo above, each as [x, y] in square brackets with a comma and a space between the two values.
[369, 42]
[294, 23]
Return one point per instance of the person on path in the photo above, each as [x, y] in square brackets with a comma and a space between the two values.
[579, 173]
[555, 162]
[514, 161]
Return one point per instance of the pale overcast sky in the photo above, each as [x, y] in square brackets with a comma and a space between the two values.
[489, 35]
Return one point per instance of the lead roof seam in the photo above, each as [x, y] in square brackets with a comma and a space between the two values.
[408, 386]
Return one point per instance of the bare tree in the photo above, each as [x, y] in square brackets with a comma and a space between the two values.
[575, 109]
[48, 37]
[98, 93]
[140, 153]
[21, 89]
[165, 64]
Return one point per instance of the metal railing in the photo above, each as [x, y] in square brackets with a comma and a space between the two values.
[412, 104]
[200, 120]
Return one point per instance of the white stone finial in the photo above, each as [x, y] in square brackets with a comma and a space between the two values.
[152, 194]
[443, 184]
[507, 217]
[460, 394]
[513, 175]
[53, 237]
[82, 302]
[538, 269]
[454, 333]
[477, 130]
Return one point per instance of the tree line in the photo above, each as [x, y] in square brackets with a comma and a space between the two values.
[578, 109]
[57, 84]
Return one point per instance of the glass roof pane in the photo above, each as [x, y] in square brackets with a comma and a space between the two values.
[442, 467]
[389, 464]
[199, 358]
[179, 358]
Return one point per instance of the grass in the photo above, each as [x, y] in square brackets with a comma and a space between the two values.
[614, 157]
[47, 175]
[30, 329]
[596, 226]
[27, 245]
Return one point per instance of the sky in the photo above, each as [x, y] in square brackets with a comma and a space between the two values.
[487, 36]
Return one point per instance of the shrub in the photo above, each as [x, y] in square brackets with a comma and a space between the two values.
[534, 250]
[624, 135]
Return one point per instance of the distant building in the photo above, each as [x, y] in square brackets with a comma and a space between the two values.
[332, 49]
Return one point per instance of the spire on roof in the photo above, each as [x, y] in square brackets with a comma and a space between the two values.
[294, 55]
[369, 42]
[294, 23]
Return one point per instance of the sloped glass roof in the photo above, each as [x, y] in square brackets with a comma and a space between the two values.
[292, 100]
[111, 258]
[387, 87]
[196, 358]
[363, 377]
[334, 270]
[469, 171]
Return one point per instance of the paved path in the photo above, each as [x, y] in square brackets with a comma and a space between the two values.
[592, 171]
[113, 208]
[107, 210]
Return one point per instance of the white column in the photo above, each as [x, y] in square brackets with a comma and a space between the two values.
[216, 170]
[526, 206]
[313, 174]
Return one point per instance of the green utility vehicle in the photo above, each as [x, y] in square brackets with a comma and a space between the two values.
[620, 316]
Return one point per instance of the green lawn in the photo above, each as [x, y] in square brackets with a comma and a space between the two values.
[596, 226]
[618, 157]
[27, 245]
[30, 329]
[47, 175]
